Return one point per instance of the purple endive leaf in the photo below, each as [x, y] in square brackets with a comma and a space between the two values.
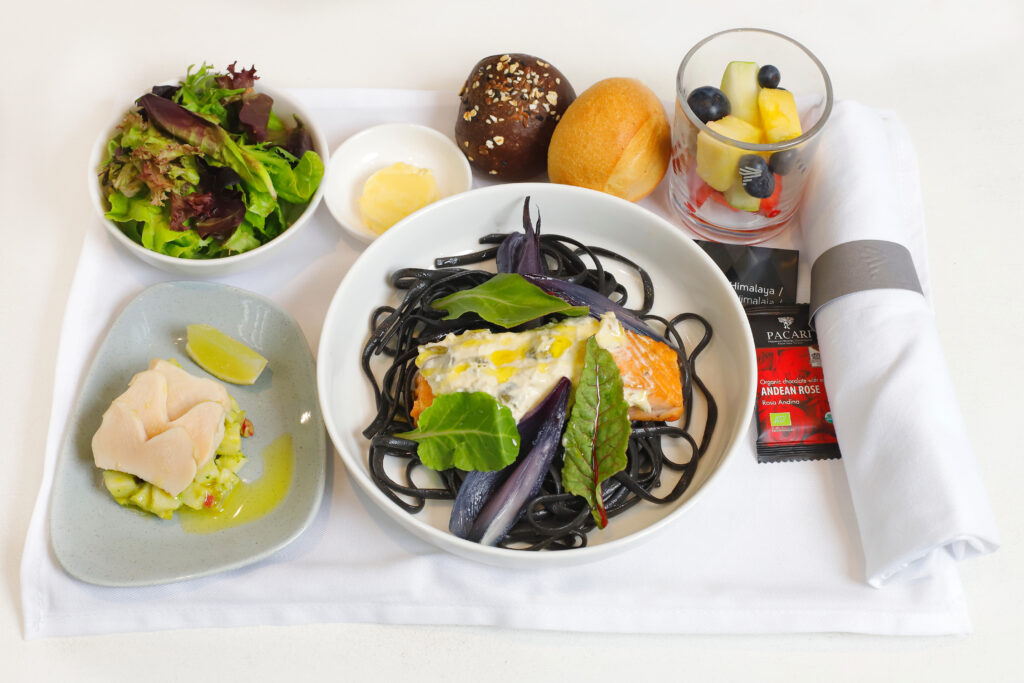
[578, 295]
[508, 252]
[477, 487]
[508, 503]
[520, 252]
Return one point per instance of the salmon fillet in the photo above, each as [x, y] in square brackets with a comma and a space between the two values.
[652, 366]
[644, 363]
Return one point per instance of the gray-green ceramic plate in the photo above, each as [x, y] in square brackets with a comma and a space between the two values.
[100, 542]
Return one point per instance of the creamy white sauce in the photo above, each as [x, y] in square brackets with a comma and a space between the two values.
[519, 368]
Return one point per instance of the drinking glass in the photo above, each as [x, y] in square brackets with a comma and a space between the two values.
[712, 213]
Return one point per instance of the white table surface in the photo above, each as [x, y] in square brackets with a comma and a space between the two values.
[951, 70]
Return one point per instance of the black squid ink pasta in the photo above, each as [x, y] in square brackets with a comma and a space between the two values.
[554, 519]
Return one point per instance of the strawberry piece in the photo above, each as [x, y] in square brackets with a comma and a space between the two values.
[699, 190]
[770, 205]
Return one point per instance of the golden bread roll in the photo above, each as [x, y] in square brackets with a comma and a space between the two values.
[614, 138]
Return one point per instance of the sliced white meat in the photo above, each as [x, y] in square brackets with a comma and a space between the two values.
[167, 460]
[147, 397]
[205, 424]
[185, 390]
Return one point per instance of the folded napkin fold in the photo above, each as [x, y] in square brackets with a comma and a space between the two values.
[914, 484]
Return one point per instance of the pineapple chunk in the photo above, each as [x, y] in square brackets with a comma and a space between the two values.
[779, 117]
[717, 161]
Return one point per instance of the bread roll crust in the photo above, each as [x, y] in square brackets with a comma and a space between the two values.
[614, 138]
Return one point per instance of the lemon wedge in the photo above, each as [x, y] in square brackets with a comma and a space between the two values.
[222, 356]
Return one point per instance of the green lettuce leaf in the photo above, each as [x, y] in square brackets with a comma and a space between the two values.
[201, 93]
[471, 431]
[141, 156]
[149, 226]
[208, 137]
[295, 185]
[506, 300]
[598, 431]
[170, 156]
[242, 239]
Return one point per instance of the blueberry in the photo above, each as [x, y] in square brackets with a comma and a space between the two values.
[768, 77]
[758, 181]
[709, 103]
[782, 162]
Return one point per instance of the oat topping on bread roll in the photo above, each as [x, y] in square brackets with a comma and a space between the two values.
[510, 106]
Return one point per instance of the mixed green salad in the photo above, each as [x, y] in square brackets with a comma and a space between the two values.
[206, 168]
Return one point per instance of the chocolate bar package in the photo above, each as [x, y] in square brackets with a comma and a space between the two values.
[760, 275]
[794, 421]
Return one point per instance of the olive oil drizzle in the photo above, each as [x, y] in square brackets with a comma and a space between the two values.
[249, 501]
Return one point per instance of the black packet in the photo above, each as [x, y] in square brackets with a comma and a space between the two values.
[760, 275]
[794, 420]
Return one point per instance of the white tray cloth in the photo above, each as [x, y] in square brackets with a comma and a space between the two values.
[773, 548]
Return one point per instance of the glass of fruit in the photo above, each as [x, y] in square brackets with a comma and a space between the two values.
[744, 133]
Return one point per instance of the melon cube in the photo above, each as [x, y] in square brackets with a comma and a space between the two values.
[739, 199]
[779, 117]
[717, 162]
[739, 83]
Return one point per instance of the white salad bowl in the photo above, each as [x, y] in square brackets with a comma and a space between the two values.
[285, 107]
[370, 150]
[685, 280]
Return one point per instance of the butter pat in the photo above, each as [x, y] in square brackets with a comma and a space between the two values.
[393, 193]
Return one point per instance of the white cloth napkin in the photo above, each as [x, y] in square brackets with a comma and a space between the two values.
[769, 549]
[913, 481]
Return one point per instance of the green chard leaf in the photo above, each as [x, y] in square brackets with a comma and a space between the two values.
[471, 431]
[598, 430]
[507, 300]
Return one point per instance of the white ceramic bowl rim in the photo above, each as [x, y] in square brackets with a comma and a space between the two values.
[494, 555]
[319, 146]
[340, 190]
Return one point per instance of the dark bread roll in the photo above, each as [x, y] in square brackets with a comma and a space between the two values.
[511, 104]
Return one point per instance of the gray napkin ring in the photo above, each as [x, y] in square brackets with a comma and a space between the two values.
[861, 265]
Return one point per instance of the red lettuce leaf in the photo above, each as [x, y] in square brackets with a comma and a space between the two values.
[215, 213]
[210, 138]
[165, 91]
[235, 80]
[295, 140]
[254, 114]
